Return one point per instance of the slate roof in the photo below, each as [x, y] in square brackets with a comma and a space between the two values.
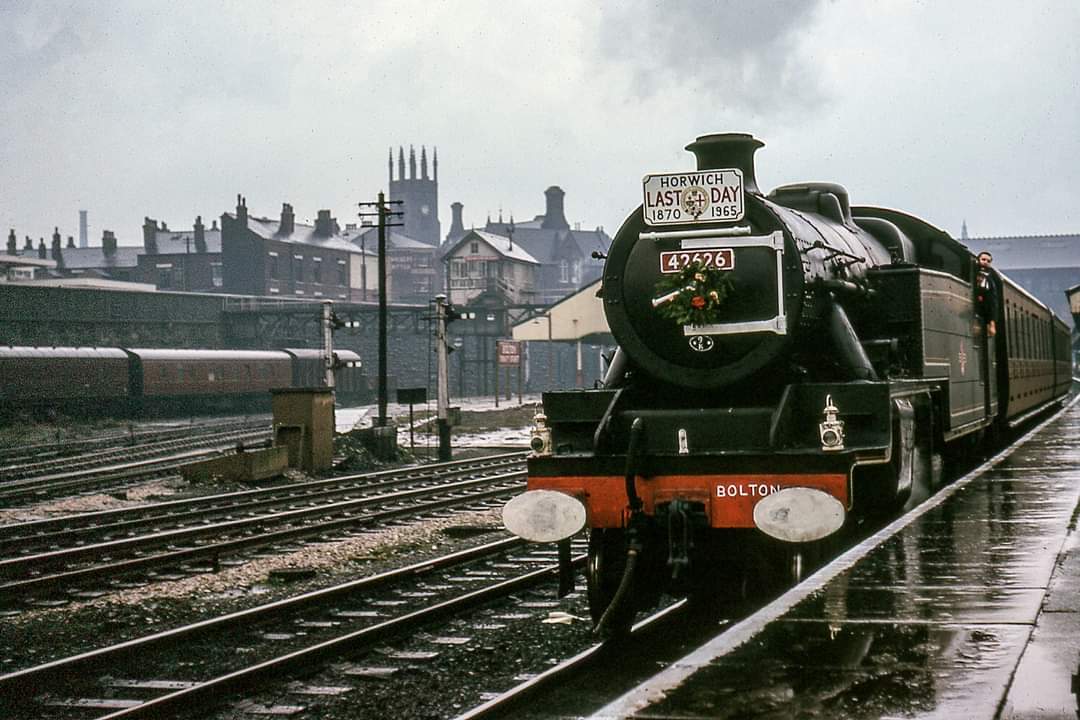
[302, 234]
[544, 243]
[173, 242]
[1030, 252]
[87, 258]
[394, 240]
[499, 243]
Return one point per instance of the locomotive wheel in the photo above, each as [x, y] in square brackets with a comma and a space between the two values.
[607, 562]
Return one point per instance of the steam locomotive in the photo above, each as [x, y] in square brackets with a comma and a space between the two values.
[787, 366]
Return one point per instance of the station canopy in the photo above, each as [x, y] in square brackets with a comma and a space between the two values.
[576, 317]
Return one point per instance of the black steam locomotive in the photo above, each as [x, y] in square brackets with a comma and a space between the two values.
[787, 364]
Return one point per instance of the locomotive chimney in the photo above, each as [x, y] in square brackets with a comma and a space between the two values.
[728, 150]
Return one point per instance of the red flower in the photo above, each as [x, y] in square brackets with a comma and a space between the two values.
[697, 302]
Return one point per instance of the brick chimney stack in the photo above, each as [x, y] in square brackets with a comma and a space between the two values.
[42, 251]
[57, 250]
[71, 241]
[554, 216]
[12, 243]
[324, 224]
[200, 235]
[149, 233]
[108, 243]
[241, 211]
[288, 220]
[457, 225]
[29, 244]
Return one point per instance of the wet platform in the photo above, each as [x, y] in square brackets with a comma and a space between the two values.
[968, 608]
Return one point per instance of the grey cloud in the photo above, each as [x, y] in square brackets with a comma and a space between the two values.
[746, 55]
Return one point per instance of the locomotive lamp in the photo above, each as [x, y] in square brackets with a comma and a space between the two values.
[831, 429]
[540, 442]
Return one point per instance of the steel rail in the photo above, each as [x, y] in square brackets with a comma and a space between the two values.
[212, 691]
[201, 445]
[18, 588]
[17, 683]
[513, 697]
[35, 529]
[199, 509]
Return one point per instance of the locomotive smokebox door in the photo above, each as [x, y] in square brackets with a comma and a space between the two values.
[695, 286]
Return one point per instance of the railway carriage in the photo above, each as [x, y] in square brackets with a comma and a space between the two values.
[35, 376]
[130, 381]
[787, 364]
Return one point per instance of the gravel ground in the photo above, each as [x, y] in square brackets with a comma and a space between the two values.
[491, 661]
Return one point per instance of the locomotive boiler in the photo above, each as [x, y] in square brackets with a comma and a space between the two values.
[787, 365]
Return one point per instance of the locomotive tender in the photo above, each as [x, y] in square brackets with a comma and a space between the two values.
[787, 364]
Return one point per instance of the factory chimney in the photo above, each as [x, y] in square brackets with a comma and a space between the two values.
[84, 230]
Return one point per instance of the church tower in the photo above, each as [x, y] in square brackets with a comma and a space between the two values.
[419, 193]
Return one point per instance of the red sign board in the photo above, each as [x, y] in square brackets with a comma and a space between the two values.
[509, 352]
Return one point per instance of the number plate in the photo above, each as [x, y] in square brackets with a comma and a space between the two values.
[715, 258]
[707, 196]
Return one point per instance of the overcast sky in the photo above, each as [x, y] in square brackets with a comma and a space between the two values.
[950, 110]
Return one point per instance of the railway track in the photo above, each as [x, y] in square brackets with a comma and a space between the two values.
[187, 668]
[12, 458]
[117, 468]
[44, 561]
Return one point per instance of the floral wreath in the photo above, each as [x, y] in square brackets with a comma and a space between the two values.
[694, 295]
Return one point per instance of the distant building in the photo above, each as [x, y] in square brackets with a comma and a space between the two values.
[493, 266]
[108, 262]
[419, 196]
[15, 267]
[563, 254]
[188, 260]
[411, 266]
[1044, 265]
[281, 257]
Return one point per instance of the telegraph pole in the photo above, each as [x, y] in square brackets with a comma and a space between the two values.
[383, 212]
[443, 379]
[328, 342]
